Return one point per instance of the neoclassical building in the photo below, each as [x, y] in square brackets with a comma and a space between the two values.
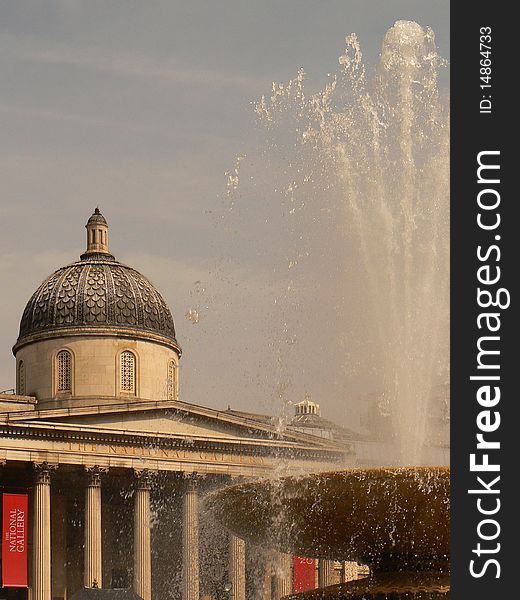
[115, 461]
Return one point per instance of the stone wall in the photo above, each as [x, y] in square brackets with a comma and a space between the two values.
[96, 368]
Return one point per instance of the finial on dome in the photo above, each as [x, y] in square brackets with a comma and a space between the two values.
[97, 235]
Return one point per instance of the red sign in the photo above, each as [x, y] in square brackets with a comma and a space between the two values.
[14, 540]
[304, 574]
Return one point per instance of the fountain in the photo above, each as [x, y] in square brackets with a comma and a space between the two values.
[396, 520]
[373, 152]
[350, 197]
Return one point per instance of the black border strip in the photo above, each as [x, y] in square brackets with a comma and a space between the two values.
[473, 132]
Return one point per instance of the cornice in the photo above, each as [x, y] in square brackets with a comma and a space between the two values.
[183, 408]
[135, 333]
[55, 432]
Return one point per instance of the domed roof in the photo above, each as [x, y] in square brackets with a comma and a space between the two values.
[97, 295]
[97, 217]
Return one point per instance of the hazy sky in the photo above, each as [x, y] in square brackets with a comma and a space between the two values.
[141, 108]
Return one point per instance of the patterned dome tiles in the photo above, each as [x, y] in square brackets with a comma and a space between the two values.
[97, 292]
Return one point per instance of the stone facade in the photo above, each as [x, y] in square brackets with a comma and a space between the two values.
[115, 464]
[96, 369]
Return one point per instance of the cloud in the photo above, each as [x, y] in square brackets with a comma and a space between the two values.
[142, 67]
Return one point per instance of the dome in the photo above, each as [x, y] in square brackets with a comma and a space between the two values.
[97, 295]
[97, 217]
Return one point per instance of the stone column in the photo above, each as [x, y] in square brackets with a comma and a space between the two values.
[190, 540]
[142, 546]
[283, 576]
[93, 572]
[325, 572]
[42, 532]
[237, 567]
[59, 548]
[266, 577]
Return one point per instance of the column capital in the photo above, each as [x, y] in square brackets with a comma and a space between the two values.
[95, 472]
[192, 480]
[42, 471]
[143, 478]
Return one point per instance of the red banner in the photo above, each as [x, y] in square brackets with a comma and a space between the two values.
[304, 574]
[14, 540]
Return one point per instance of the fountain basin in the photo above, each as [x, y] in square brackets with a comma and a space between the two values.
[386, 586]
[395, 519]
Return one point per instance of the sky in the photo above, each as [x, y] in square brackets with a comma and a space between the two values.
[141, 108]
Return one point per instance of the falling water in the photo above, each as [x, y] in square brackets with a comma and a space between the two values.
[362, 168]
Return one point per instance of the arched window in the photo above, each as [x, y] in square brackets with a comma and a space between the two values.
[21, 378]
[172, 380]
[64, 371]
[127, 372]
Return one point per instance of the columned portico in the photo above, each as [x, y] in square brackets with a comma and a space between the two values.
[142, 543]
[190, 539]
[42, 532]
[237, 567]
[93, 539]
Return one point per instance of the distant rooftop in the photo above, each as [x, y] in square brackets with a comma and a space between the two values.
[307, 419]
